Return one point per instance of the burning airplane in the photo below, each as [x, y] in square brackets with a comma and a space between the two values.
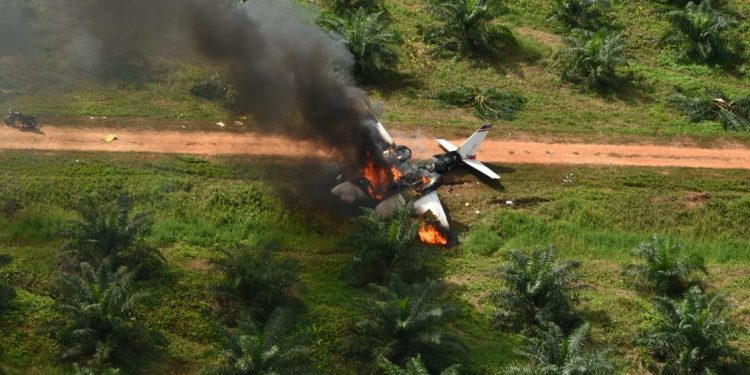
[392, 179]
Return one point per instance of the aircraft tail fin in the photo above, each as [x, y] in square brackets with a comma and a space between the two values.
[468, 150]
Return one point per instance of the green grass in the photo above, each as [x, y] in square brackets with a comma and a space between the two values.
[200, 205]
[49, 86]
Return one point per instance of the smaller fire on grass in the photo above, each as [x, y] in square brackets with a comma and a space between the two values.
[431, 235]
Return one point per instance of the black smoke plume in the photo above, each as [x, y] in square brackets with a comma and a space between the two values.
[292, 76]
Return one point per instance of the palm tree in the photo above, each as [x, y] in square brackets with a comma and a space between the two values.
[550, 352]
[692, 336]
[592, 58]
[714, 105]
[405, 321]
[537, 289]
[370, 40]
[109, 231]
[97, 307]
[268, 350]
[589, 15]
[7, 292]
[414, 366]
[664, 270]
[259, 280]
[387, 246]
[700, 33]
[467, 26]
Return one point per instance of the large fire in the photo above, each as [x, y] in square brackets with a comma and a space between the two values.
[379, 178]
[430, 235]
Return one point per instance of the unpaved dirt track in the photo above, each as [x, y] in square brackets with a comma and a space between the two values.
[493, 150]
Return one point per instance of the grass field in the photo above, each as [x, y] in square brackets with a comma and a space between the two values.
[48, 85]
[200, 205]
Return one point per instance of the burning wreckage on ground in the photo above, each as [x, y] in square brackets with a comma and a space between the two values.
[392, 179]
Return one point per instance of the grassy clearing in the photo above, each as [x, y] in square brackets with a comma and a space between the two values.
[45, 84]
[200, 205]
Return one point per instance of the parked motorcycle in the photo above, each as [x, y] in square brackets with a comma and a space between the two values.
[14, 118]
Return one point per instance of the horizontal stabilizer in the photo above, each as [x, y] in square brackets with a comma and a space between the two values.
[349, 192]
[481, 168]
[447, 146]
[431, 202]
[388, 206]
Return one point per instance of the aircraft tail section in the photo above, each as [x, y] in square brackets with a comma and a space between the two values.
[468, 150]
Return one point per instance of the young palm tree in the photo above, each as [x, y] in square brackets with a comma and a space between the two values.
[537, 289]
[700, 33]
[98, 326]
[109, 231]
[405, 321]
[268, 350]
[691, 336]
[714, 105]
[369, 39]
[414, 366]
[550, 352]
[581, 14]
[664, 270]
[258, 279]
[7, 292]
[592, 58]
[489, 104]
[387, 246]
[467, 26]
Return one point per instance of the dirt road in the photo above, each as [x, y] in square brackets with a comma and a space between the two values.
[493, 150]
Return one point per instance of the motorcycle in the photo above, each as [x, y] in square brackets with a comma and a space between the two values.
[18, 117]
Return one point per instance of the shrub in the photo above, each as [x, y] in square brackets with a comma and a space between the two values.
[108, 231]
[536, 290]
[490, 104]
[700, 34]
[466, 26]
[7, 292]
[98, 326]
[258, 279]
[266, 350]
[345, 7]
[714, 105]
[387, 246]
[550, 352]
[216, 89]
[581, 14]
[664, 270]
[592, 58]
[370, 40]
[405, 321]
[414, 366]
[691, 336]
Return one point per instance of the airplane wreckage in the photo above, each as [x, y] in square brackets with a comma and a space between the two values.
[396, 180]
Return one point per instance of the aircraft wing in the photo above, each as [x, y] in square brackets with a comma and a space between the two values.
[431, 202]
[445, 145]
[384, 133]
[481, 168]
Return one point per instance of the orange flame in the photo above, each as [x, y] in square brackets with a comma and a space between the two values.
[430, 235]
[379, 178]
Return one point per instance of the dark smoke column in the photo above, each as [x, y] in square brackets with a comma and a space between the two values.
[289, 73]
